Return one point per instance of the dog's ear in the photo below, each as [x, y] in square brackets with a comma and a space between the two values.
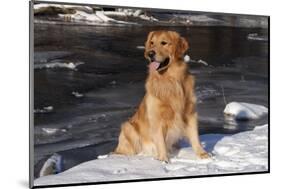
[148, 39]
[147, 43]
[181, 48]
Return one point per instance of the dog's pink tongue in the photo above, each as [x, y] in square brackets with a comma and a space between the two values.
[153, 66]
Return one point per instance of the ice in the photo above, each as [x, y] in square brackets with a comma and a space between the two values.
[241, 110]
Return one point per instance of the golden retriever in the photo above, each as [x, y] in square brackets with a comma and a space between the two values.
[167, 112]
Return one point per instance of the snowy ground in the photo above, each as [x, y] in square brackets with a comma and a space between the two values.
[243, 152]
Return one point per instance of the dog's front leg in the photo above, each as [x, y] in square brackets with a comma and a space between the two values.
[191, 132]
[159, 141]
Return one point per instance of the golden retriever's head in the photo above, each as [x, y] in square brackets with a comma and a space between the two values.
[164, 47]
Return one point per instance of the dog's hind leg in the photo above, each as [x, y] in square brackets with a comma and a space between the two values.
[129, 140]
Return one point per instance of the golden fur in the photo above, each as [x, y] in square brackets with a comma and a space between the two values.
[167, 112]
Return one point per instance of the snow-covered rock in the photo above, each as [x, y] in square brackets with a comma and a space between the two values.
[52, 165]
[241, 110]
[243, 152]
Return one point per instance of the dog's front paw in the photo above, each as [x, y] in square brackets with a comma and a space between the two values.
[203, 155]
[163, 159]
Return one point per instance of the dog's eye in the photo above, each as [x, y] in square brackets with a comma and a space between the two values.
[163, 42]
[151, 43]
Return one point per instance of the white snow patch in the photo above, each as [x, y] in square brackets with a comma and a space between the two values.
[186, 58]
[81, 16]
[256, 37]
[131, 12]
[102, 156]
[69, 65]
[202, 62]
[51, 131]
[141, 47]
[97, 17]
[199, 18]
[86, 14]
[77, 94]
[76, 7]
[241, 110]
[46, 109]
[242, 152]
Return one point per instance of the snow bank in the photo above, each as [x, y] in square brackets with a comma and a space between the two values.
[243, 152]
[240, 110]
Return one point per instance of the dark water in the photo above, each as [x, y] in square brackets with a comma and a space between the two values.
[112, 82]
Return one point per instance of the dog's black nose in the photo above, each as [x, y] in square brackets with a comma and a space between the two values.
[151, 54]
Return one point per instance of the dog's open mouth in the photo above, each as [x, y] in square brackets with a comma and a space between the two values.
[159, 65]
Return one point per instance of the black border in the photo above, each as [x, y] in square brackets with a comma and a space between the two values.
[31, 28]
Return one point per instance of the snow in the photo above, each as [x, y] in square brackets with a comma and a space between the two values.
[98, 17]
[256, 37]
[81, 16]
[69, 65]
[46, 109]
[95, 16]
[86, 13]
[203, 62]
[238, 153]
[77, 7]
[200, 18]
[131, 12]
[51, 131]
[241, 110]
[141, 47]
[186, 58]
[77, 94]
